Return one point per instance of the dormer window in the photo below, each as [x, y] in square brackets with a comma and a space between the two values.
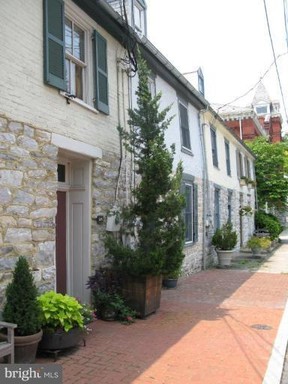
[201, 87]
[139, 16]
[263, 110]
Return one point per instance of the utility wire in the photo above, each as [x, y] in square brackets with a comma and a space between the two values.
[286, 19]
[275, 60]
[255, 85]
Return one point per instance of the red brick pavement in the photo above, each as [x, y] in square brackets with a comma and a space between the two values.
[202, 334]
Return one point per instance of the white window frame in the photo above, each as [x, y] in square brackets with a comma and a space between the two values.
[139, 9]
[183, 146]
[81, 20]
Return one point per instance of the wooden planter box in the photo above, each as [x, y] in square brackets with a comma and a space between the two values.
[142, 294]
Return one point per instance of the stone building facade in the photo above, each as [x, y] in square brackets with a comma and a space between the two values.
[60, 158]
[62, 167]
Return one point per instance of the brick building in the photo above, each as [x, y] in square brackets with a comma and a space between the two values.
[262, 118]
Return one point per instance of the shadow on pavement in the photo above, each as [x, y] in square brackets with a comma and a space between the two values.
[206, 320]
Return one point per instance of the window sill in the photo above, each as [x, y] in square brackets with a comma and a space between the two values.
[188, 243]
[187, 151]
[79, 102]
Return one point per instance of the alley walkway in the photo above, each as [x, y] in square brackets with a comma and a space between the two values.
[217, 327]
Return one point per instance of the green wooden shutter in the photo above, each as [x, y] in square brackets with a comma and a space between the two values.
[195, 212]
[54, 44]
[100, 73]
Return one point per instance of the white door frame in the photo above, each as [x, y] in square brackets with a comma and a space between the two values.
[78, 197]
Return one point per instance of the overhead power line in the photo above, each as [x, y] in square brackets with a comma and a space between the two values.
[275, 60]
[255, 85]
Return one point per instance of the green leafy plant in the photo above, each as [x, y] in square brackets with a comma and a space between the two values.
[60, 311]
[158, 203]
[88, 313]
[21, 306]
[225, 238]
[173, 274]
[107, 299]
[269, 222]
[246, 210]
[259, 242]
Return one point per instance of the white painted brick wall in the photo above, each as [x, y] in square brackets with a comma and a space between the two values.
[25, 97]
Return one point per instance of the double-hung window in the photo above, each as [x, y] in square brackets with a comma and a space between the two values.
[184, 124]
[191, 211]
[217, 208]
[75, 58]
[239, 161]
[67, 65]
[227, 154]
[214, 147]
[229, 206]
[247, 168]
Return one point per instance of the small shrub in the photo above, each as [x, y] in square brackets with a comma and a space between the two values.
[225, 238]
[259, 242]
[21, 305]
[269, 222]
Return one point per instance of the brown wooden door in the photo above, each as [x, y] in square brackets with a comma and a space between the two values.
[61, 264]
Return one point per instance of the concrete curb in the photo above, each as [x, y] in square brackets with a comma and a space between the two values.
[276, 362]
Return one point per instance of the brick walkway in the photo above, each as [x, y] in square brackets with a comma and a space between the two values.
[217, 327]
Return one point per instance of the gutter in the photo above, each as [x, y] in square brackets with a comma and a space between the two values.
[112, 21]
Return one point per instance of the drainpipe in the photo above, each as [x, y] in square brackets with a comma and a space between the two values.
[118, 61]
[127, 183]
[205, 186]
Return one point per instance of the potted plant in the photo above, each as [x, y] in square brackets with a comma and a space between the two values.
[256, 244]
[225, 240]
[155, 214]
[62, 321]
[170, 280]
[106, 296]
[246, 210]
[22, 308]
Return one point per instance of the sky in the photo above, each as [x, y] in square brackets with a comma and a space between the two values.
[229, 40]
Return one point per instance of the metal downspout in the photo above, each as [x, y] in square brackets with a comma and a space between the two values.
[204, 186]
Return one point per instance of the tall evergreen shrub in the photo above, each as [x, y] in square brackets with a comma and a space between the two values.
[158, 203]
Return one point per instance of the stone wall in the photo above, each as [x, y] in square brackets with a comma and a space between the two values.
[193, 261]
[247, 224]
[109, 188]
[28, 184]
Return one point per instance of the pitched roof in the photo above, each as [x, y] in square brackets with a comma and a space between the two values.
[261, 95]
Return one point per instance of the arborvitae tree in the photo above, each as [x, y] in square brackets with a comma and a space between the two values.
[158, 203]
[21, 305]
